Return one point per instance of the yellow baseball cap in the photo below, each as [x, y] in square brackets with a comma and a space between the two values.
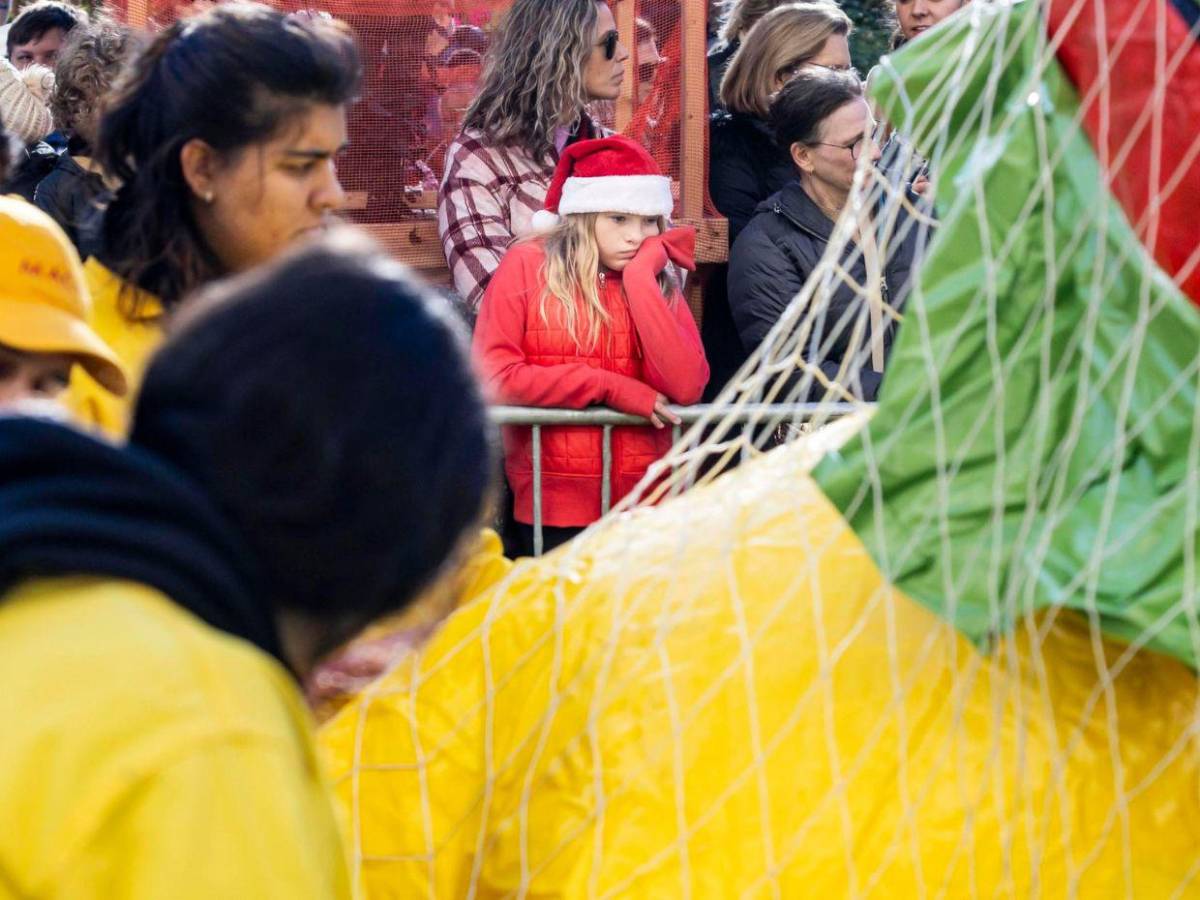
[44, 302]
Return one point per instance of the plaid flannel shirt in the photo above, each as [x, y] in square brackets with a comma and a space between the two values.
[488, 196]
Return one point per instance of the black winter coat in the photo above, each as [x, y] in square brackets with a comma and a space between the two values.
[31, 165]
[745, 168]
[720, 55]
[70, 195]
[773, 258]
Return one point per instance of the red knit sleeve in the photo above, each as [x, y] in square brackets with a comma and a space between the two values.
[672, 353]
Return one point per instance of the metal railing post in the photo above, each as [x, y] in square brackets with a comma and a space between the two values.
[537, 490]
[606, 475]
[538, 418]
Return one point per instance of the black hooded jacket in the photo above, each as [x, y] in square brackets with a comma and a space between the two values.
[71, 195]
[745, 168]
[775, 255]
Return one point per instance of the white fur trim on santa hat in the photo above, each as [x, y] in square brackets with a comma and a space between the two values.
[638, 195]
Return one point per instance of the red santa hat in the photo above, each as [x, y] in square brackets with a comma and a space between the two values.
[612, 174]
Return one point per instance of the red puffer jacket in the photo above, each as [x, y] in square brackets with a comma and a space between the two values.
[652, 347]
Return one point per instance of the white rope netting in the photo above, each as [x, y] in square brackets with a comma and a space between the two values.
[941, 647]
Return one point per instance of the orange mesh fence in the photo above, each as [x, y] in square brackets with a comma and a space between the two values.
[422, 64]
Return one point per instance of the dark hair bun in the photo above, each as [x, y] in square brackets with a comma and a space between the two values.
[328, 406]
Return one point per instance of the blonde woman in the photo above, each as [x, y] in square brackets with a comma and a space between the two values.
[549, 60]
[746, 166]
[591, 315]
[737, 17]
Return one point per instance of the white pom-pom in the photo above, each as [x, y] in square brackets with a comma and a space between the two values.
[39, 80]
[543, 221]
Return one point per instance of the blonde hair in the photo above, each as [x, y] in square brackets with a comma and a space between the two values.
[572, 273]
[739, 16]
[533, 77]
[784, 38]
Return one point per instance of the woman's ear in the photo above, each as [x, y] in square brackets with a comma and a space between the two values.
[198, 161]
[801, 157]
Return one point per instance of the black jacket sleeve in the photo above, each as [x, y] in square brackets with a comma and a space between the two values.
[763, 280]
[33, 164]
[859, 379]
[733, 183]
[54, 197]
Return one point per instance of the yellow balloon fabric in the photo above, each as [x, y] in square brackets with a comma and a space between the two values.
[721, 697]
[482, 565]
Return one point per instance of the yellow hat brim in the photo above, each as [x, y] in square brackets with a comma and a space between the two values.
[40, 328]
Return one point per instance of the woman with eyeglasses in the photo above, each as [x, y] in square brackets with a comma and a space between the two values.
[548, 61]
[746, 166]
[392, 128]
[824, 123]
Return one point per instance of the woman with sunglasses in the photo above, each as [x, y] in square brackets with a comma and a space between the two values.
[549, 60]
[825, 124]
[746, 165]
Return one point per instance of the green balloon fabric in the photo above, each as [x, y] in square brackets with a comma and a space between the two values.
[1036, 440]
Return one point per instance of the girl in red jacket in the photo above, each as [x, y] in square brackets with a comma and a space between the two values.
[591, 314]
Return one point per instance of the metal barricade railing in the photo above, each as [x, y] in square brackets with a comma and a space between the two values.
[538, 417]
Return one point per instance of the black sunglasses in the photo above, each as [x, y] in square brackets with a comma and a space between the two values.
[609, 43]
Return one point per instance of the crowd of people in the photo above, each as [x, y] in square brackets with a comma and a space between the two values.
[191, 349]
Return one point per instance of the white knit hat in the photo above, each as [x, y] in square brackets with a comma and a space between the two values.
[24, 97]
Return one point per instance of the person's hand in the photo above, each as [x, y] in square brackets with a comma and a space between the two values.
[920, 184]
[678, 245]
[662, 415]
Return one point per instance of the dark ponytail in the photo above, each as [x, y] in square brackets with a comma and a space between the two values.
[231, 77]
[805, 102]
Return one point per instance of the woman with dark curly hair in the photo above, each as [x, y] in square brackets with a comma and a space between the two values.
[87, 66]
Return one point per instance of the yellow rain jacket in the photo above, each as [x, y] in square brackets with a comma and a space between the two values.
[147, 755]
[133, 340]
[722, 697]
